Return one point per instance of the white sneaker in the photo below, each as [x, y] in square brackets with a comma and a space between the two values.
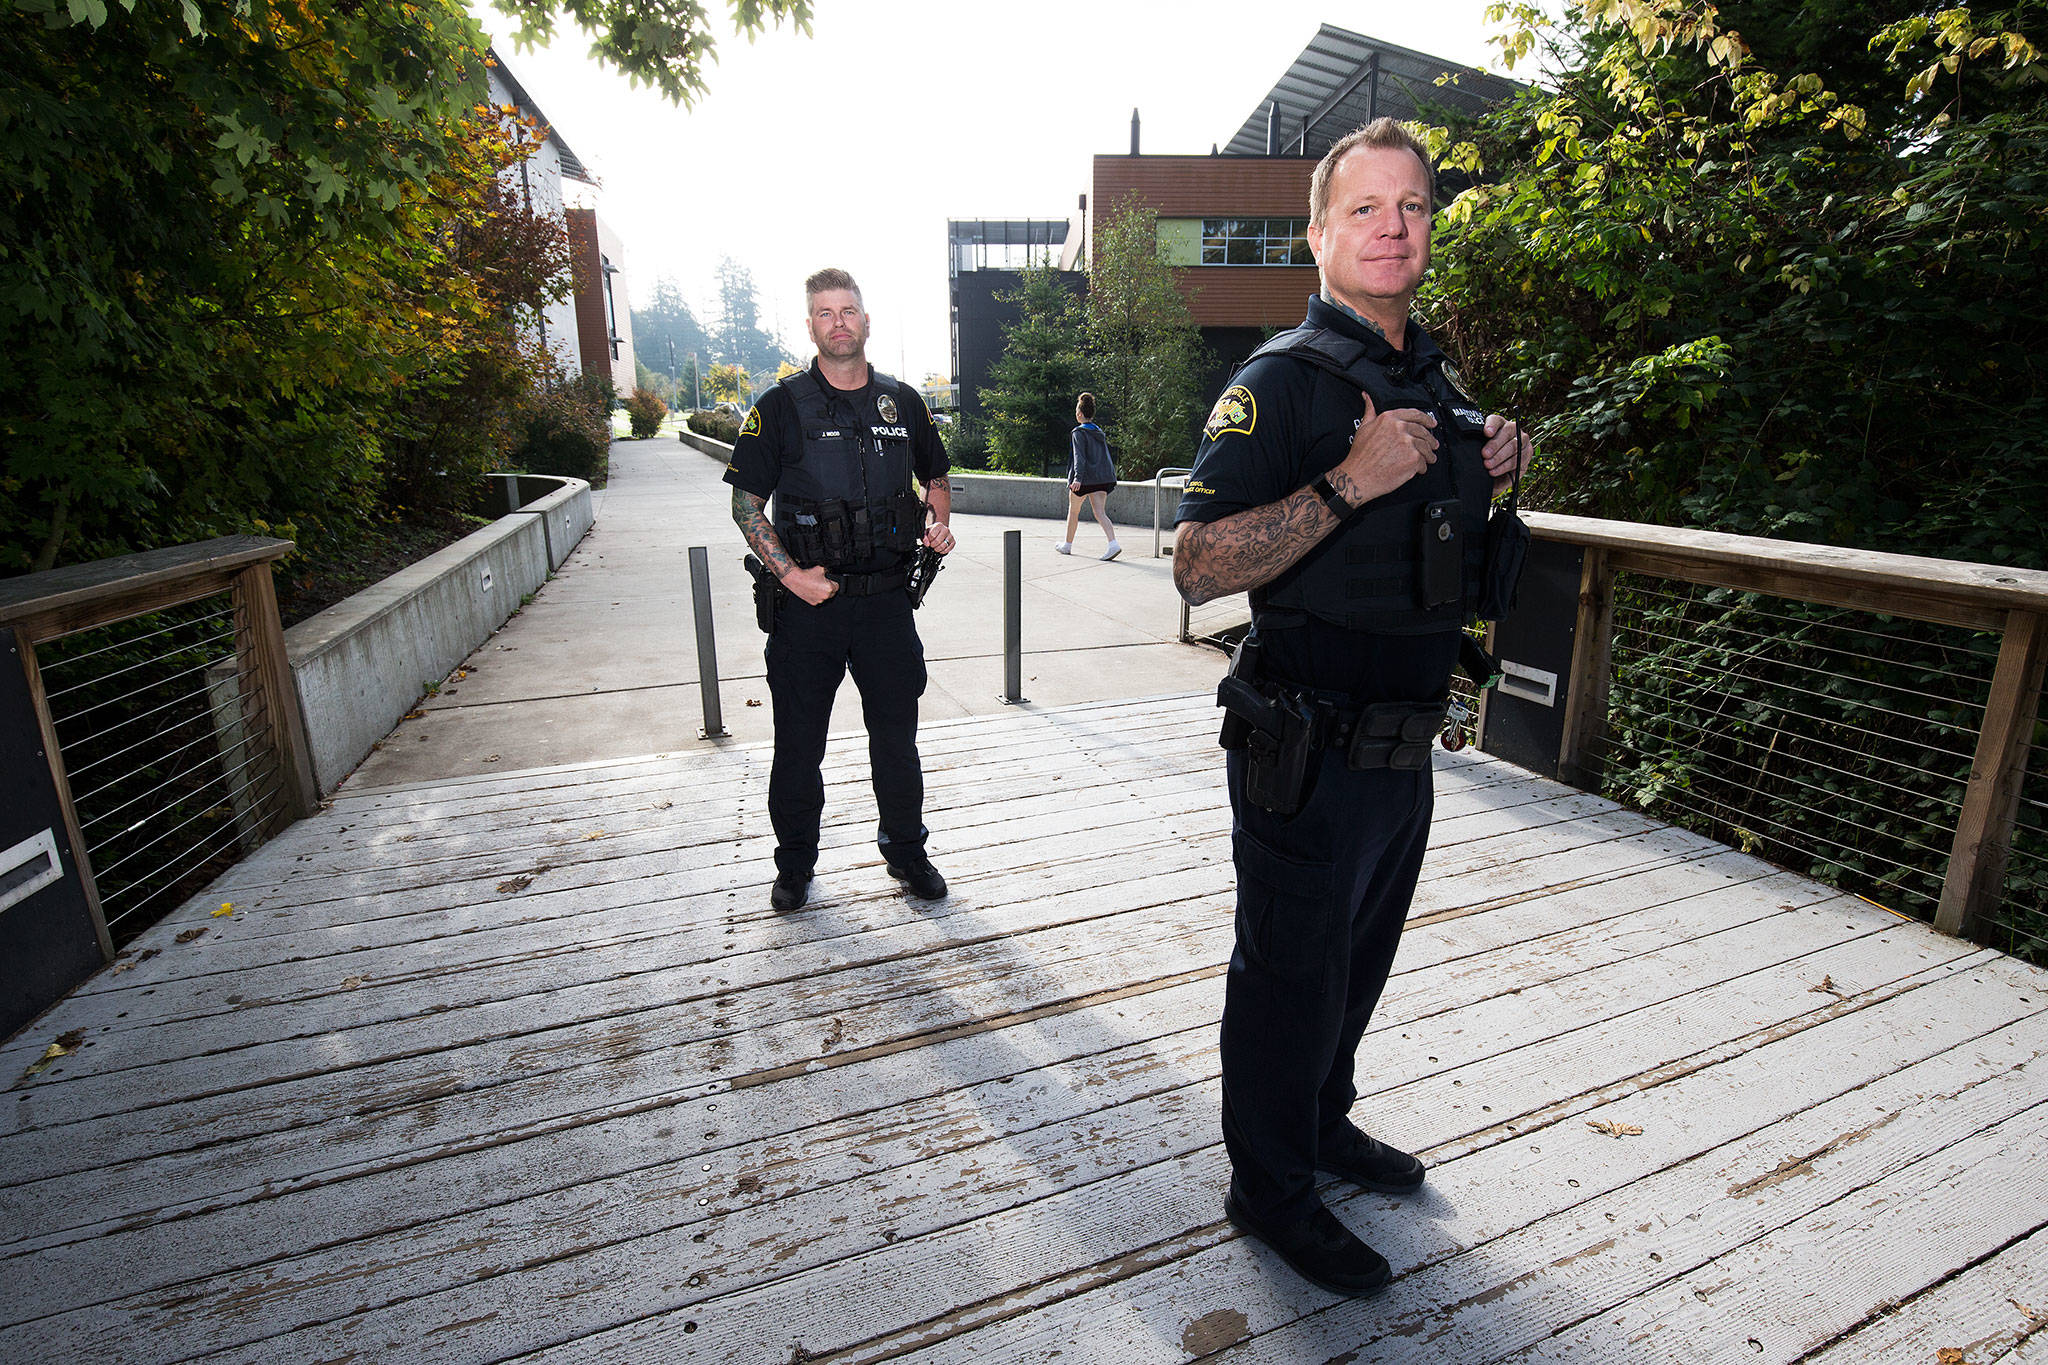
[1064, 547]
[1113, 551]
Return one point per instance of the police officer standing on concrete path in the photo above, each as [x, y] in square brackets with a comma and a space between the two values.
[1343, 479]
[837, 446]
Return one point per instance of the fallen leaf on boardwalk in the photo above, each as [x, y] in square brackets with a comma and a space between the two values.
[191, 934]
[414, 715]
[2031, 1315]
[594, 834]
[459, 675]
[66, 1044]
[519, 883]
[1613, 1129]
[753, 701]
[1951, 1355]
[349, 983]
[407, 838]
[226, 908]
[492, 759]
[662, 805]
[1827, 986]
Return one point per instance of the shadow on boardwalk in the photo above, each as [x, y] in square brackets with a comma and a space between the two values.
[522, 1067]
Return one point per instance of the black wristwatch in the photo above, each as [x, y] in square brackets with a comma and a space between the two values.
[1332, 499]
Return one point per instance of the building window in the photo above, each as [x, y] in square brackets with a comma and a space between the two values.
[1256, 241]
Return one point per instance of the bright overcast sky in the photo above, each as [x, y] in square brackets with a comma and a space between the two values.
[853, 146]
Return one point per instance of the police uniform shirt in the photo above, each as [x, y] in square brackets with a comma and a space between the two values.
[771, 428]
[1280, 424]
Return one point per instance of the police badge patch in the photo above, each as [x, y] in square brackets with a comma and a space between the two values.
[886, 405]
[752, 426]
[1235, 411]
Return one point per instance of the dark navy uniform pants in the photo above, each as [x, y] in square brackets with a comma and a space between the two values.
[1321, 898]
[810, 652]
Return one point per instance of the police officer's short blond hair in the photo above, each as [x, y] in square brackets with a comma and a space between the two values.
[828, 279]
[1384, 133]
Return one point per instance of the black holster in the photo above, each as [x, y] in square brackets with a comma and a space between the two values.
[1277, 743]
[1276, 733]
[768, 594]
[923, 570]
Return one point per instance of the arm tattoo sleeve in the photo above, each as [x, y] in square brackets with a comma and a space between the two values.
[1248, 548]
[749, 513]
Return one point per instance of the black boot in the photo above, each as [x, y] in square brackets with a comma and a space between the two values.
[790, 891]
[921, 878]
[1319, 1249]
[1367, 1161]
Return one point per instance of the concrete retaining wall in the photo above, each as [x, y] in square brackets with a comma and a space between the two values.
[719, 450]
[1013, 495]
[364, 662]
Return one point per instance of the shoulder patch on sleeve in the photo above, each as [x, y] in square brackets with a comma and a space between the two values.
[1235, 411]
[752, 426]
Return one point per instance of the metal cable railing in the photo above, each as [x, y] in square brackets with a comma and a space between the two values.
[1838, 743]
[169, 751]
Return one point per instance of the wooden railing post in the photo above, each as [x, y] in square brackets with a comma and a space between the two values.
[62, 783]
[1585, 716]
[260, 657]
[1976, 863]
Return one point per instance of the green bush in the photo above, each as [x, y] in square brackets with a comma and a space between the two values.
[966, 441]
[568, 429]
[645, 411]
[718, 426]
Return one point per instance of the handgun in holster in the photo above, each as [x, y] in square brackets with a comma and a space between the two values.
[1274, 732]
[923, 570]
[768, 592]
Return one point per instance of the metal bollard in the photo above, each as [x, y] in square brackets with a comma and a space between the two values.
[1013, 617]
[707, 645]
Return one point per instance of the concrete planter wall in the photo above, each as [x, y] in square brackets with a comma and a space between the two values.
[361, 664]
[1011, 495]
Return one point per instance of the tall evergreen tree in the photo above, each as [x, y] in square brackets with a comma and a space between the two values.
[1144, 348]
[665, 328]
[737, 335]
[1029, 399]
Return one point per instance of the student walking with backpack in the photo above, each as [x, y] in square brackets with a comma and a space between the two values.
[1090, 476]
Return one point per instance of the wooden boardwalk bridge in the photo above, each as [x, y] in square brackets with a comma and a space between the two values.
[523, 1068]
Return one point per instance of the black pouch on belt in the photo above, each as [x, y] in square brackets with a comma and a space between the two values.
[1394, 734]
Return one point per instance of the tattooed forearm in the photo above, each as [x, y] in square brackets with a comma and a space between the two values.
[749, 513]
[1245, 549]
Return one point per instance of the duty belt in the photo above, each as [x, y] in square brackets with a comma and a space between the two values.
[871, 584]
[1381, 734]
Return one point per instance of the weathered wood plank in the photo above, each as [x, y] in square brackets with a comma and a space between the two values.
[76, 597]
[901, 1283]
[1984, 1313]
[1508, 1250]
[1539, 1011]
[1871, 580]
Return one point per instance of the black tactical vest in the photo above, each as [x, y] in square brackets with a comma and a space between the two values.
[844, 497]
[1365, 576]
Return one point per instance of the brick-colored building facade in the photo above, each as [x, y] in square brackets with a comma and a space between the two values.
[1204, 188]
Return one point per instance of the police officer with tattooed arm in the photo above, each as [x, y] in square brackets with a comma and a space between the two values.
[1344, 480]
[839, 568]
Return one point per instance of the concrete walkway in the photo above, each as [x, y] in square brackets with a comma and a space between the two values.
[603, 664]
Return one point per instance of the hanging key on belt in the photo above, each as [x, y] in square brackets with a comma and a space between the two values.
[1456, 717]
